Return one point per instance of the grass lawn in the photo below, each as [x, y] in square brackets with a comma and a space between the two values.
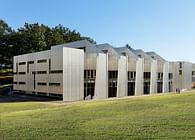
[151, 117]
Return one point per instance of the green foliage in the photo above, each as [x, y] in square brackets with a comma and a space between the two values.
[153, 117]
[32, 38]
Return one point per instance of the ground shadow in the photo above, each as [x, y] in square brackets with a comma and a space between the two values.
[17, 97]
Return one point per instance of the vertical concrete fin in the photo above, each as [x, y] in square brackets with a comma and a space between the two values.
[101, 77]
[122, 76]
[73, 74]
[165, 77]
[139, 77]
[153, 79]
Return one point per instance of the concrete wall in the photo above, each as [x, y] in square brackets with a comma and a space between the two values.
[122, 76]
[153, 80]
[166, 77]
[139, 77]
[101, 82]
[73, 74]
[187, 75]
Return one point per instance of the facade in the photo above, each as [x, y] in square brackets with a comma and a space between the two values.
[81, 70]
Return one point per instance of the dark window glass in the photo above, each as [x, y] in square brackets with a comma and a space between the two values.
[180, 64]
[56, 71]
[22, 63]
[30, 62]
[22, 73]
[41, 72]
[54, 84]
[22, 83]
[42, 61]
[180, 72]
[41, 84]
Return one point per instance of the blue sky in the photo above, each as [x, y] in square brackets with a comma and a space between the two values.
[164, 26]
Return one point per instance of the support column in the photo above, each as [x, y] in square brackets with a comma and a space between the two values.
[122, 76]
[139, 81]
[73, 74]
[153, 79]
[166, 77]
[101, 77]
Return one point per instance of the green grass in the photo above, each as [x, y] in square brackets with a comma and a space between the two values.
[152, 117]
[4, 86]
[6, 70]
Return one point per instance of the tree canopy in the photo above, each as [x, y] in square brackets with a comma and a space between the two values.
[32, 38]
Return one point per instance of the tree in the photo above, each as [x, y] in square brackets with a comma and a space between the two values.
[4, 28]
[5, 48]
[32, 38]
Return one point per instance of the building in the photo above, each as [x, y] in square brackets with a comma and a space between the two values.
[81, 70]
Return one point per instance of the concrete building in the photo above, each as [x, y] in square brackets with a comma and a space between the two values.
[81, 70]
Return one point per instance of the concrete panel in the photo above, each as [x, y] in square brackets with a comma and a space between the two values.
[112, 62]
[101, 77]
[44, 66]
[153, 79]
[166, 77]
[90, 60]
[187, 75]
[139, 77]
[122, 76]
[73, 74]
[131, 64]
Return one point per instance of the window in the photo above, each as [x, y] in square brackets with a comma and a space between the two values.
[42, 61]
[105, 51]
[180, 64]
[160, 76]
[112, 74]
[16, 68]
[131, 75]
[15, 83]
[41, 72]
[139, 55]
[146, 75]
[193, 72]
[180, 72]
[15, 73]
[83, 48]
[22, 63]
[89, 74]
[22, 73]
[124, 53]
[30, 62]
[22, 83]
[56, 71]
[54, 84]
[49, 65]
[170, 75]
[41, 84]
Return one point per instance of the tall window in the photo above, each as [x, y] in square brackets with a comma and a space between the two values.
[180, 64]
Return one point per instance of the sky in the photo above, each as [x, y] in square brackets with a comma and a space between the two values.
[164, 26]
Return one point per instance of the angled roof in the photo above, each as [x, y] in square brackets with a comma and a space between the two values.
[155, 56]
[141, 53]
[127, 51]
[107, 48]
[82, 44]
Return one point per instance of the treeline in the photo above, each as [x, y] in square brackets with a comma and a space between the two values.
[32, 38]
